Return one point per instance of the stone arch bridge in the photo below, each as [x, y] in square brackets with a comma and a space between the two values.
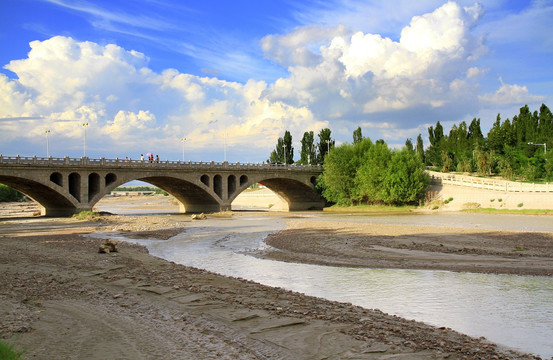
[64, 186]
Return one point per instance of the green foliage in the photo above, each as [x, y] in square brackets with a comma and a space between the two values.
[7, 194]
[372, 173]
[367, 173]
[419, 148]
[325, 143]
[406, 181]
[339, 174]
[307, 155]
[284, 151]
[357, 135]
[88, 215]
[514, 149]
[8, 352]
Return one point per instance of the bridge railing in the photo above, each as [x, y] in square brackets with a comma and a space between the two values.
[169, 164]
[487, 183]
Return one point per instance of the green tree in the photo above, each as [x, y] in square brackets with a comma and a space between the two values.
[420, 148]
[405, 181]
[436, 137]
[325, 143]
[357, 135]
[475, 136]
[409, 144]
[496, 136]
[339, 173]
[284, 151]
[308, 155]
[372, 172]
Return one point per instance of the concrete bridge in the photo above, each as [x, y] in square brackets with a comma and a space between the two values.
[64, 186]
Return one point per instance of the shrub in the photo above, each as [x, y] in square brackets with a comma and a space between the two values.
[88, 215]
[8, 352]
[520, 205]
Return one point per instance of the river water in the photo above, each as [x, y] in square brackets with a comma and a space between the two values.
[514, 311]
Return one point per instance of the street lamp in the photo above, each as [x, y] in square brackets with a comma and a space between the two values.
[284, 154]
[84, 147]
[183, 139]
[47, 143]
[544, 146]
[328, 145]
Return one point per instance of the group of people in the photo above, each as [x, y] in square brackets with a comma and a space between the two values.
[150, 158]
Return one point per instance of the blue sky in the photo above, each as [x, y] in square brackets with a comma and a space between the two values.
[145, 73]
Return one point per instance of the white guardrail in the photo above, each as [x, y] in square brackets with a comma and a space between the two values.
[85, 161]
[487, 183]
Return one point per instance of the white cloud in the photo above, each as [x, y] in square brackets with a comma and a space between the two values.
[360, 73]
[63, 83]
[508, 94]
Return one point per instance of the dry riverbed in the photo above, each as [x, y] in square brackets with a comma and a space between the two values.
[60, 298]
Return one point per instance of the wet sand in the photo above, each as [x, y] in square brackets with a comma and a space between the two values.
[337, 243]
[60, 298]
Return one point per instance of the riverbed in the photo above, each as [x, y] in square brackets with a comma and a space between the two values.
[514, 311]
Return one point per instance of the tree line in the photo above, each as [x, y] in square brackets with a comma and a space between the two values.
[311, 152]
[514, 149]
[362, 172]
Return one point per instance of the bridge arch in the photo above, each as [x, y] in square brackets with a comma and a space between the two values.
[298, 195]
[53, 199]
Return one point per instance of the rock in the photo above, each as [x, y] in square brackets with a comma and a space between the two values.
[199, 216]
[108, 246]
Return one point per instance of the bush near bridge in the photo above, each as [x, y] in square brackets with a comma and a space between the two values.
[367, 173]
[7, 194]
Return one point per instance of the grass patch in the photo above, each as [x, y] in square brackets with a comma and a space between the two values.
[500, 200]
[492, 200]
[520, 205]
[370, 208]
[471, 206]
[8, 352]
[448, 200]
[88, 216]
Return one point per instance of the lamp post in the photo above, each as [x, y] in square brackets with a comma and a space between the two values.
[544, 146]
[328, 145]
[183, 139]
[84, 147]
[47, 143]
[284, 154]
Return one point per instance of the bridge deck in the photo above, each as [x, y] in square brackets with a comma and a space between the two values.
[85, 161]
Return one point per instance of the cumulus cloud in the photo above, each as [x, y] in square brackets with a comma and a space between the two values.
[510, 94]
[360, 73]
[63, 83]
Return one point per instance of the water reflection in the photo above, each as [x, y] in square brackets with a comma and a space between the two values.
[515, 311]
